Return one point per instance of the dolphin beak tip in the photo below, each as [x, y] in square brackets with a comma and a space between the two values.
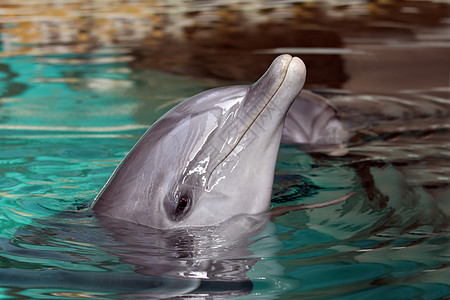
[297, 71]
[298, 64]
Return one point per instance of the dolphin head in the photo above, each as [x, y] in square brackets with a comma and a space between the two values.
[210, 158]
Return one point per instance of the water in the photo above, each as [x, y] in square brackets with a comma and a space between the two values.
[67, 119]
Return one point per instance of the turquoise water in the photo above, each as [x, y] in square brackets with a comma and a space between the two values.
[66, 121]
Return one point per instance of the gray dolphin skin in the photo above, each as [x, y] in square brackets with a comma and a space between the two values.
[210, 158]
[315, 121]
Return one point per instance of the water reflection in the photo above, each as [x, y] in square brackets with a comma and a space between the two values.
[80, 25]
[235, 41]
[203, 262]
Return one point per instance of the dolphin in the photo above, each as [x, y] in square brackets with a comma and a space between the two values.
[210, 158]
[314, 121]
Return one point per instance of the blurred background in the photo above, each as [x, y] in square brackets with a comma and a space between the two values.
[357, 45]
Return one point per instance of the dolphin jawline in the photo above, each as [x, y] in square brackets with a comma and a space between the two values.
[268, 101]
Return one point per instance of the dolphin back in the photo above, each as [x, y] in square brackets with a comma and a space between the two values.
[312, 120]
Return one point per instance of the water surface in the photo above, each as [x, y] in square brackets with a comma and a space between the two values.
[68, 117]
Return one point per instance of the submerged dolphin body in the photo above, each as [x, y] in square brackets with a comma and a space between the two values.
[210, 158]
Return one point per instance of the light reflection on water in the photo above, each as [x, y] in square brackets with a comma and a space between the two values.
[66, 120]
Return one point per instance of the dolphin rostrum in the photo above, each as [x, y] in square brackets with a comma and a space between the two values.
[210, 158]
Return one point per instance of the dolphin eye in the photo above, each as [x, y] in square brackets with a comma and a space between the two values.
[183, 203]
[179, 206]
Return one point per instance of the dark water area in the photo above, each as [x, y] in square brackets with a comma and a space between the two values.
[81, 81]
[370, 47]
